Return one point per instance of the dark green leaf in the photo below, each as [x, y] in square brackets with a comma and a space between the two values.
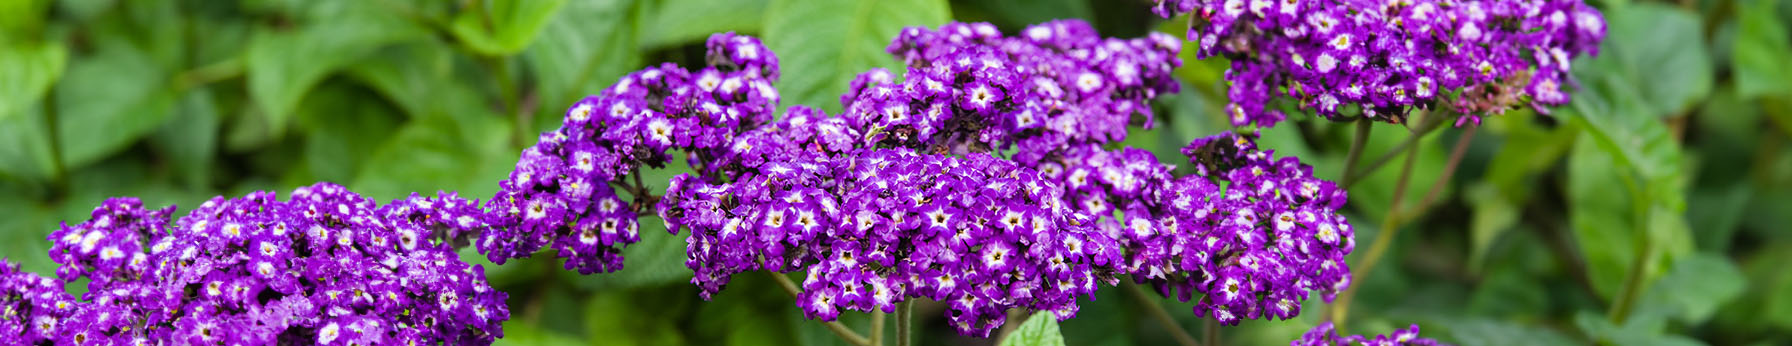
[587, 46]
[1661, 49]
[1761, 52]
[190, 138]
[526, 333]
[1475, 331]
[341, 124]
[678, 21]
[283, 65]
[826, 43]
[503, 27]
[25, 147]
[1696, 287]
[30, 70]
[107, 101]
[1636, 331]
[426, 156]
[1039, 330]
[657, 260]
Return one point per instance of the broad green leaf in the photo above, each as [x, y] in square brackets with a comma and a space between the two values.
[107, 101]
[680, 21]
[1760, 55]
[30, 70]
[22, 16]
[426, 156]
[1661, 50]
[1636, 331]
[824, 44]
[341, 123]
[1039, 330]
[519, 332]
[1018, 13]
[630, 317]
[23, 229]
[25, 148]
[283, 65]
[190, 138]
[1600, 216]
[1478, 331]
[503, 27]
[1527, 150]
[587, 47]
[1696, 287]
[423, 78]
[1767, 303]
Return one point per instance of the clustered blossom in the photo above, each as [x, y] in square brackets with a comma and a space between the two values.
[327, 267]
[1387, 57]
[1251, 233]
[560, 193]
[970, 89]
[877, 227]
[1325, 335]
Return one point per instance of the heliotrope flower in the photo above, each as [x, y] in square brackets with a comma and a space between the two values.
[1325, 335]
[561, 193]
[327, 266]
[970, 89]
[1251, 233]
[876, 227]
[1384, 58]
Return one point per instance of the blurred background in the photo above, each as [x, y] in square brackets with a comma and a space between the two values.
[1675, 150]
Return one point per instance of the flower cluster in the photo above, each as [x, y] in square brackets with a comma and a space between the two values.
[560, 193]
[1253, 234]
[326, 267]
[970, 89]
[1325, 335]
[876, 227]
[1387, 57]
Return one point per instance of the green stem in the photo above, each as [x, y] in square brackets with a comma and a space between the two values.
[218, 71]
[905, 315]
[877, 328]
[1356, 146]
[1212, 333]
[1390, 226]
[1645, 251]
[1162, 317]
[841, 330]
[1427, 123]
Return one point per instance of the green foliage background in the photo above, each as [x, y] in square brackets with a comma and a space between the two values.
[1673, 156]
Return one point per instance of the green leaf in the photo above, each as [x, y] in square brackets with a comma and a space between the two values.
[587, 47]
[283, 65]
[1599, 212]
[1636, 331]
[1696, 287]
[827, 43]
[503, 27]
[1019, 13]
[1761, 51]
[657, 260]
[1039, 330]
[30, 70]
[341, 122]
[25, 147]
[425, 156]
[1480, 331]
[22, 16]
[679, 21]
[526, 333]
[191, 138]
[1527, 150]
[625, 317]
[1660, 50]
[23, 232]
[107, 101]
[426, 80]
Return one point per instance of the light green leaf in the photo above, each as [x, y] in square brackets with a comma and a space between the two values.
[1761, 52]
[341, 123]
[826, 43]
[1039, 330]
[190, 138]
[519, 332]
[426, 156]
[109, 100]
[22, 16]
[30, 70]
[1478, 331]
[679, 21]
[283, 65]
[1696, 287]
[503, 27]
[1636, 331]
[587, 47]
[1661, 50]
[1600, 215]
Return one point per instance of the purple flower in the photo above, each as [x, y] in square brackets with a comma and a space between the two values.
[1325, 335]
[1382, 59]
[259, 270]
